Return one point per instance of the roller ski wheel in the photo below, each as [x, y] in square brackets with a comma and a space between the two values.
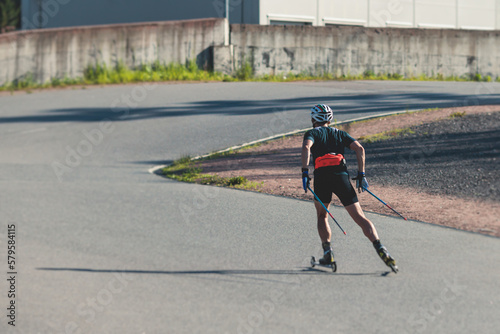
[394, 267]
[315, 263]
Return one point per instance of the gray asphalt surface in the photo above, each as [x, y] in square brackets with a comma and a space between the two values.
[103, 246]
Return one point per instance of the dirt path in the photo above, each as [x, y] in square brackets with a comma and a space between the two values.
[277, 166]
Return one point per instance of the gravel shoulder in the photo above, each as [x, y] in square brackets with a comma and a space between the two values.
[442, 172]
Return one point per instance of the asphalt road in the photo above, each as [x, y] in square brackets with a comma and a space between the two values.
[103, 246]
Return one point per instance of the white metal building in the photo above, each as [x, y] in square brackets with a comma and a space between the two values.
[447, 14]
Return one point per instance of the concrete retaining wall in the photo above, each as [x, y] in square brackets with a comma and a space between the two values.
[353, 50]
[51, 53]
[66, 52]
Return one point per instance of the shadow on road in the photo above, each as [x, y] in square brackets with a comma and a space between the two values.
[357, 104]
[300, 271]
[153, 162]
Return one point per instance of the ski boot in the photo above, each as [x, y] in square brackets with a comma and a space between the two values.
[385, 256]
[327, 258]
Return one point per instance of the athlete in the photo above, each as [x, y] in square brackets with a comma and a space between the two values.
[326, 145]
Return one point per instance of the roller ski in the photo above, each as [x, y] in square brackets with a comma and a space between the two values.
[386, 257]
[315, 263]
[327, 260]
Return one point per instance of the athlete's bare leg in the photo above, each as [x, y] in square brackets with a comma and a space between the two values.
[359, 217]
[325, 233]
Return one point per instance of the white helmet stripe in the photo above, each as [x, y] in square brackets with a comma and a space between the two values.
[321, 113]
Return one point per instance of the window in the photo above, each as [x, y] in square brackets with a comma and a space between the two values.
[290, 23]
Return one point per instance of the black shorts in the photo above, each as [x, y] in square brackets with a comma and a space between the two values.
[327, 182]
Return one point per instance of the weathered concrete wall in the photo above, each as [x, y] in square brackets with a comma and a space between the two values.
[353, 50]
[66, 52]
[62, 52]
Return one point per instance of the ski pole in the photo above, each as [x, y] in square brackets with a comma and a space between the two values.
[317, 198]
[384, 203]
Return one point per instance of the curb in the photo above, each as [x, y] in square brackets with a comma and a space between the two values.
[155, 169]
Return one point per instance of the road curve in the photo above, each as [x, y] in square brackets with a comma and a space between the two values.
[103, 246]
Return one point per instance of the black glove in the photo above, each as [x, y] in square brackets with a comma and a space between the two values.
[306, 180]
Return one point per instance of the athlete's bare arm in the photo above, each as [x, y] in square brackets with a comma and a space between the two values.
[306, 152]
[360, 154]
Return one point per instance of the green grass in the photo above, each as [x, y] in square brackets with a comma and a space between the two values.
[216, 155]
[457, 114]
[102, 74]
[368, 75]
[187, 170]
[245, 72]
[183, 169]
[386, 135]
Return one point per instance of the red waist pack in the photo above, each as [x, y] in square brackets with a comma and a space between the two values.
[329, 159]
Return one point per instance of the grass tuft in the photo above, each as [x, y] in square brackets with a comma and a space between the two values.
[187, 170]
[386, 135]
[245, 72]
[457, 114]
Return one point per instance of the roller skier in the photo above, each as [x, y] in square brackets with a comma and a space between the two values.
[326, 145]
